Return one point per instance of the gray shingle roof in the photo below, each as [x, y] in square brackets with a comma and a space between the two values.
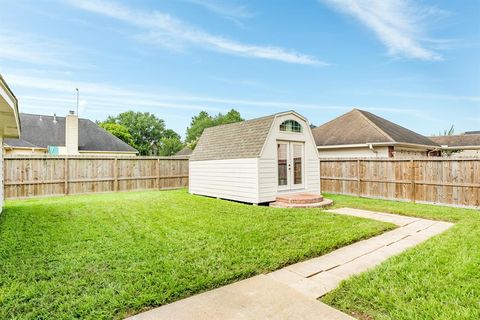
[362, 127]
[41, 131]
[233, 141]
[469, 140]
[186, 151]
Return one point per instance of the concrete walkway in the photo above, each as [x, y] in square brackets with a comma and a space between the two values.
[292, 292]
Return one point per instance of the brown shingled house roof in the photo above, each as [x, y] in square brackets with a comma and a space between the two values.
[362, 127]
[461, 140]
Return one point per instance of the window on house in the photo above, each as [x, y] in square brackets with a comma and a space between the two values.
[291, 126]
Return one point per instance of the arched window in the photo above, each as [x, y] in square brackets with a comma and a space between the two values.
[291, 126]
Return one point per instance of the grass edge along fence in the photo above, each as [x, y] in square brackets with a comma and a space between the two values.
[425, 180]
[39, 176]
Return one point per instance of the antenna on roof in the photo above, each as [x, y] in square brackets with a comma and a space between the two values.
[78, 93]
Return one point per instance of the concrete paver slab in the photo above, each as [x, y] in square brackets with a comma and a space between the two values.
[335, 258]
[259, 297]
[380, 216]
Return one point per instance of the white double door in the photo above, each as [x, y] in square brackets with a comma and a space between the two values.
[290, 163]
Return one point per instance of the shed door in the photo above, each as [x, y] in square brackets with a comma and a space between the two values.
[290, 164]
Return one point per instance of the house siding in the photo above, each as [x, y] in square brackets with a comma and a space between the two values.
[356, 152]
[235, 179]
[400, 153]
[23, 151]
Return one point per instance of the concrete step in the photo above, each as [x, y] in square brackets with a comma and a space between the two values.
[300, 198]
[321, 204]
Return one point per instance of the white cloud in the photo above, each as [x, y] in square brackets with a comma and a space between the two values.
[53, 95]
[399, 24]
[169, 31]
[225, 8]
[30, 49]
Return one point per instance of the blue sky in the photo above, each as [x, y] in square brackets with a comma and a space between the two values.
[416, 63]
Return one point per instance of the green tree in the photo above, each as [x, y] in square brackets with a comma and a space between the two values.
[204, 120]
[145, 128]
[119, 131]
[449, 132]
[230, 117]
[197, 125]
[170, 146]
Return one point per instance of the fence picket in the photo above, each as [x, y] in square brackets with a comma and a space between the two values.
[36, 176]
[428, 180]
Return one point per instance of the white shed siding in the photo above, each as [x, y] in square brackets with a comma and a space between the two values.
[267, 177]
[268, 172]
[312, 180]
[235, 179]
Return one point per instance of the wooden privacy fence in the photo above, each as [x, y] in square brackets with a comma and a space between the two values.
[429, 180]
[31, 176]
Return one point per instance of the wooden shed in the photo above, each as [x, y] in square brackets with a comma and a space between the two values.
[255, 161]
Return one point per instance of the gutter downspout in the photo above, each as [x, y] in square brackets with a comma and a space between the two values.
[370, 146]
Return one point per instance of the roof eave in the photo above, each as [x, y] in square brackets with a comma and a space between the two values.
[12, 103]
[104, 151]
[460, 147]
[27, 148]
[378, 144]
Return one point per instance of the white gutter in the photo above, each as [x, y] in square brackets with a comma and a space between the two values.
[460, 148]
[377, 144]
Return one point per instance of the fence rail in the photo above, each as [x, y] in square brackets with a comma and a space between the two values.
[441, 181]
[37, 176]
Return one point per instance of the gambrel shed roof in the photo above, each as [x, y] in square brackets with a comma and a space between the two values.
[233, 141]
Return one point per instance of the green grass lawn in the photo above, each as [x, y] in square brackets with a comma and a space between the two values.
[113, 255]
[439, 279]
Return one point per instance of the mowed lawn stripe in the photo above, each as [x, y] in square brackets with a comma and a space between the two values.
[107, 256]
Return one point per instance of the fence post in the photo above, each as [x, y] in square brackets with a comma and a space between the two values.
[412, 172]
[115, 174]
[158, 173]
[359, 192]
[65, 175]
[319, 174]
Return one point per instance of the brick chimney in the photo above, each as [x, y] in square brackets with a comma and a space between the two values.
[71, 133]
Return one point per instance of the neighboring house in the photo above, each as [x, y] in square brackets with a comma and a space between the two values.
[360, 133]
[185, 152]
[65, 136]
[462, 145]
[9, 123]
[254, 161]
